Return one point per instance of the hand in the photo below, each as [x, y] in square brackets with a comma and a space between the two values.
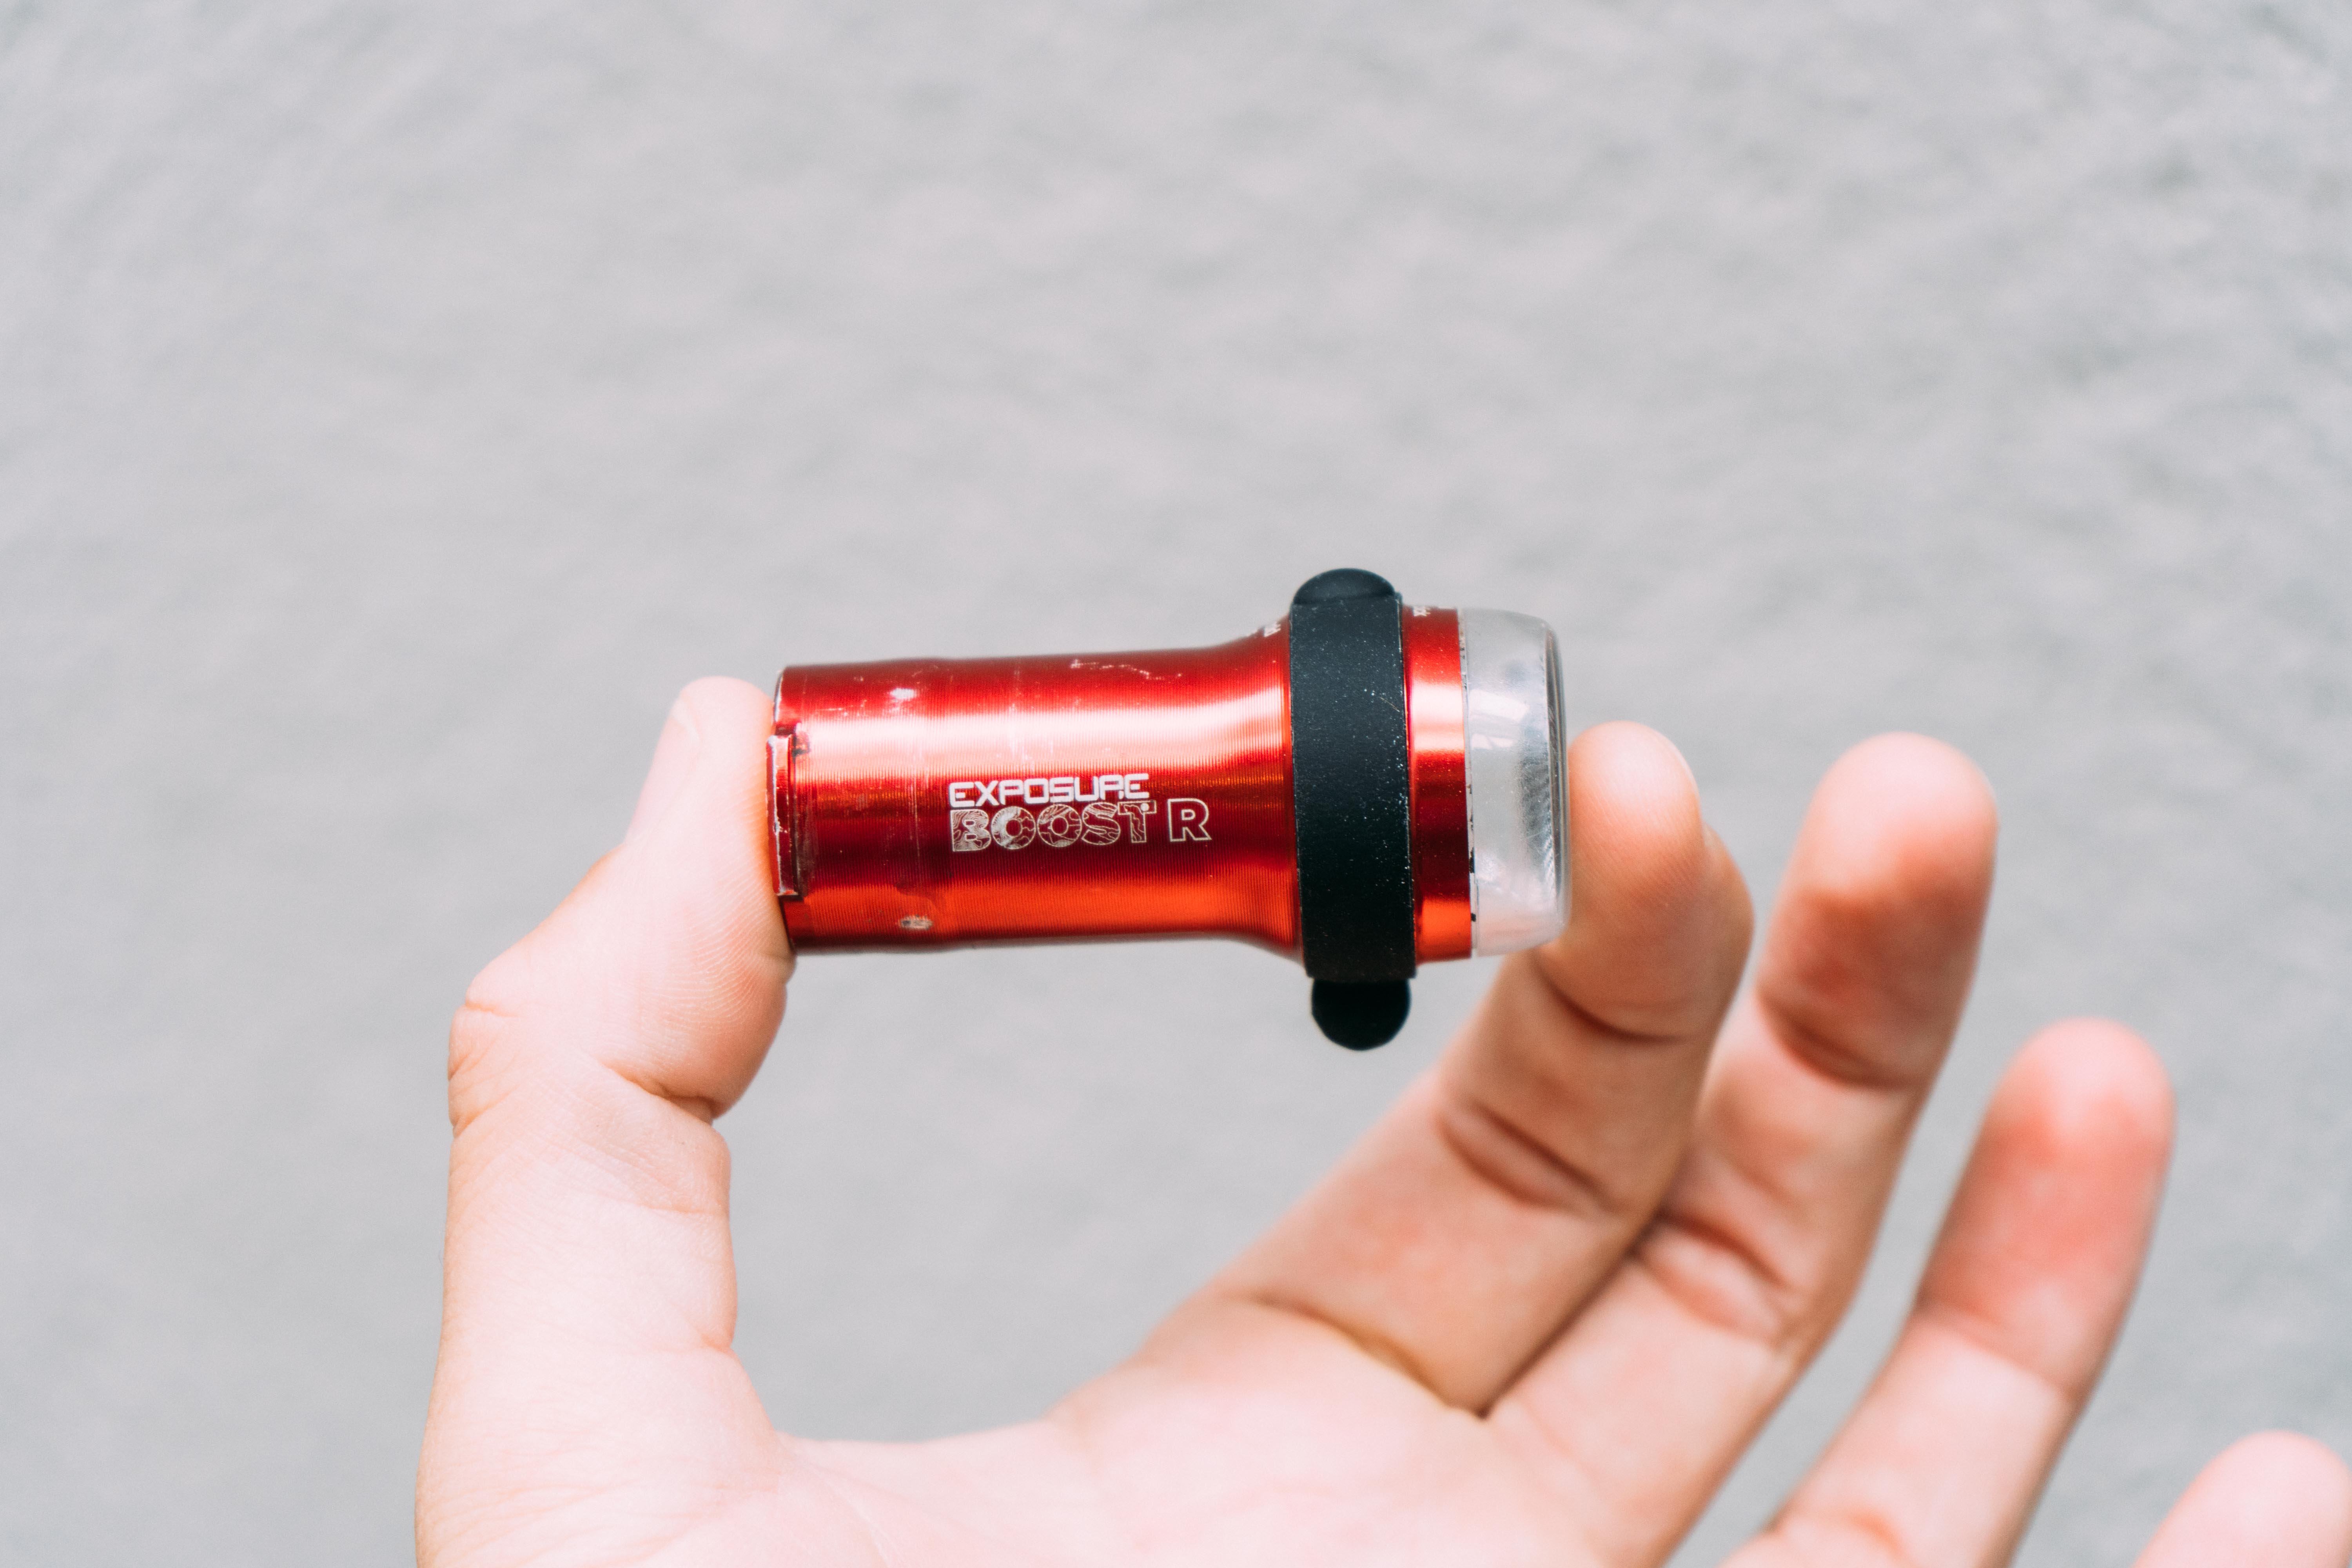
[1533, 1318]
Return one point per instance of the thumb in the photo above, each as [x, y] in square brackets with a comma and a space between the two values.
[666, 965]
[587, 1189]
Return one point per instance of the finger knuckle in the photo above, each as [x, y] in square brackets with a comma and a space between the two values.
[484, 1038]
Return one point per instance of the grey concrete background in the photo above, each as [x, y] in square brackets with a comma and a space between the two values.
[398, 402]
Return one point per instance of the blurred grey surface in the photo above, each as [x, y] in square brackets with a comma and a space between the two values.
[399, 402]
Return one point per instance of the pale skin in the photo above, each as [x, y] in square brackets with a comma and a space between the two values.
[1533, 1318]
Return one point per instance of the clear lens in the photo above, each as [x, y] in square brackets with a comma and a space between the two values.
[1518, 807]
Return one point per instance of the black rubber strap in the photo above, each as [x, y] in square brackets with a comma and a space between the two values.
[1353, 794]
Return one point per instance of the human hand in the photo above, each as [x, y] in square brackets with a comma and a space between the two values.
[1534, 1317]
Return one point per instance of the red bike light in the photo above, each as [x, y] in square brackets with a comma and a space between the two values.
[1363, 785]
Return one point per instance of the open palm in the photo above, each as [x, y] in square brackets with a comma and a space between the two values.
[1535, 1317]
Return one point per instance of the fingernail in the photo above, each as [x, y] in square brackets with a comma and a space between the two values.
[674, 756]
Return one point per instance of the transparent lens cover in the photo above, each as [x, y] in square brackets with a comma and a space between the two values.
[1518, 803]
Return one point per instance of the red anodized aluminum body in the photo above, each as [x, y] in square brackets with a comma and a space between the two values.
[933, 803]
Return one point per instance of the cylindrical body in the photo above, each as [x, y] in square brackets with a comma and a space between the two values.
[933, 803]
[929, 803]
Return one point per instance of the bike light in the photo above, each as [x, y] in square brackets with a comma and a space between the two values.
[1363, 785]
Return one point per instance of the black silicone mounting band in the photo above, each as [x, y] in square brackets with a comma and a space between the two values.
[1350, 771]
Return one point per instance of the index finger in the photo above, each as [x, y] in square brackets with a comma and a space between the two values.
[1474, 1216]
[1641, 1408]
